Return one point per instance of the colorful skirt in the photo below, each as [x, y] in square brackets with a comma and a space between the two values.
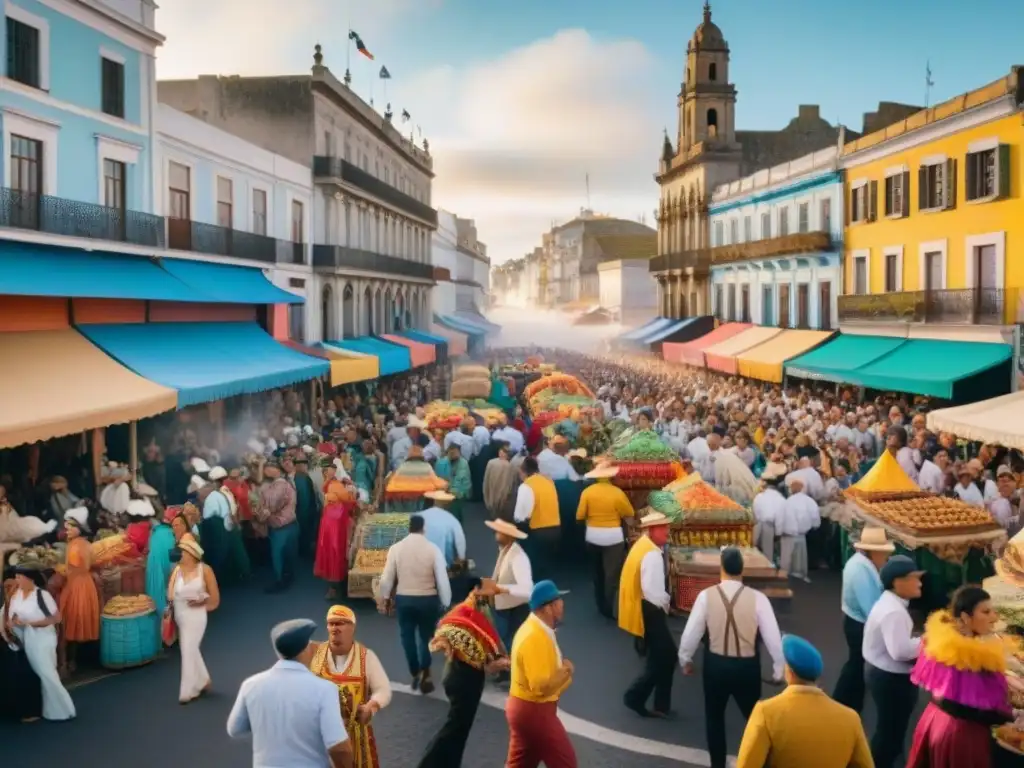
[331, 562]
[944, 741]
[80, 608]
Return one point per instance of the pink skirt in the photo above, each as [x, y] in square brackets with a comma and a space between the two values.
[944, 741]
[331, 562]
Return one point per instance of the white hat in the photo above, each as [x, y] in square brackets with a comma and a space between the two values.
[199, 466]
[308, 450]
[602, 472]
[501, 526]
[78, 515]
[415, 423]
[438, 496]
[308, 431]
[773, 471]
[148, 490]
[580, 453]
[140, 508]
[653, 519]
[873, 539]
[195, 483]
[217, 473]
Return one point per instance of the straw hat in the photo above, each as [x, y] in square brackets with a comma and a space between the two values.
[190, 545]
[873, 539]
[578, 453]
[415, 423]
[506, 528]
[653, 519]
[438, 496]
[602, 472]
[774, 471]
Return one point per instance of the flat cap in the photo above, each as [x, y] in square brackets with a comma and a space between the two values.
[290, 638]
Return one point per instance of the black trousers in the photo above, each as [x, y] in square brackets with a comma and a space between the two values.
[542, 547]
[727, 678]
[895, 698]
[659, 663]
[606, 568]
[850, 685]
[463, 685]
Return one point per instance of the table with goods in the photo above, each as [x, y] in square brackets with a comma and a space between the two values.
[954, 542]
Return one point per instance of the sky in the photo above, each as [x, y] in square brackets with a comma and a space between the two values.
[523, 101]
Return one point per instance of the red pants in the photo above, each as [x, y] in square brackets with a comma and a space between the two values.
[536, 736]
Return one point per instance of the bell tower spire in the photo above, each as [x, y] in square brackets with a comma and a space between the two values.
[707, 103]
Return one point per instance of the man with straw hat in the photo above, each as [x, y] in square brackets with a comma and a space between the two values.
[512, 581]
[603, 508]
[363, 685]
[443, 528]
[862, 586]
[643, 612]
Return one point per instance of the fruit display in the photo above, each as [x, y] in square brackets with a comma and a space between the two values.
[568, 406]
[647, 474]
[40, 558]
[665, 503]
[128, 605]
[411, 480]
[931, 516]
[110, 550]
[442, 414]
[560, 381]
[644, 446]
[1011, 735]
[371, 559]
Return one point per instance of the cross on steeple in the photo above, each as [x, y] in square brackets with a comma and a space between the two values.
[707, 11]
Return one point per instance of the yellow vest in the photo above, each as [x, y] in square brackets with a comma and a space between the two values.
[631, 617]
[545, 502]
[534, 659]
[603, 505]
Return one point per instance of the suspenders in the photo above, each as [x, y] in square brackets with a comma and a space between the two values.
[730, 619]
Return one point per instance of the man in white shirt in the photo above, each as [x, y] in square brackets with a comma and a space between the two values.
[890, 650]
[1003, 508]
[813, 485]
[932, 475]
[510, 435]
[553, 462]
[732, 616]
[292, 715]
[463, 437]
[706, 464]
[416, 574]
[800, 515]
[512, 581]
[768, 508]
[966, 489]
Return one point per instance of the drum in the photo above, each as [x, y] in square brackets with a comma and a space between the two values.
[129, 641]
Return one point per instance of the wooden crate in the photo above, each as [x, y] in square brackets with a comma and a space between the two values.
[360, 583]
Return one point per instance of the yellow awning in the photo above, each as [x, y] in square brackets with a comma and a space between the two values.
[764, 362]
[58, 383]
[722, 356]
[349, 367]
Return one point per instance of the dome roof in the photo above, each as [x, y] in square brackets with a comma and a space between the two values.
[707, 36]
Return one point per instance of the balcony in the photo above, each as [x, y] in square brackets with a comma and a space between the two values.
[70, 218]
[787, 245]
[185, 235]
[697, 260]
[334, 168]
[964, 306]
[342, 257]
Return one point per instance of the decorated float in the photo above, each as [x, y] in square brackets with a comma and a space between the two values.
[557, 397]
[645, 464]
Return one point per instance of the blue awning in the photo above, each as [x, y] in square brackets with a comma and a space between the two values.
[394, 358]
[665, 331]
[423, 337]
[228, 283]
[649, 327]
[205, 361]
[27, 269]
[474, 318]
[457, 325]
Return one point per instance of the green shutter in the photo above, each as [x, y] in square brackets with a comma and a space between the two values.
[1003, 172]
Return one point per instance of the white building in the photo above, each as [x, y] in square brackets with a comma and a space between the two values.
[229, 201]
[445, 257]
[628, 290]
[472, 268]
[372, 200]
[777, 243]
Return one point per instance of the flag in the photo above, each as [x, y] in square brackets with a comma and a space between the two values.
[928, 75]
[384, 74]
[406, 117]
[354, 36]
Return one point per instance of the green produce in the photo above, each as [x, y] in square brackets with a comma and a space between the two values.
[644, 445]
[665, 502]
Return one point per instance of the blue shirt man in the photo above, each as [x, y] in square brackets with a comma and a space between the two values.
[443, 529]
[862, 587]
[292, 715]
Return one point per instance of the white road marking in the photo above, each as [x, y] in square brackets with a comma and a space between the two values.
[594, 732]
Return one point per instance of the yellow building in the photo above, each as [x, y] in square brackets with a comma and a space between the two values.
[935, 216]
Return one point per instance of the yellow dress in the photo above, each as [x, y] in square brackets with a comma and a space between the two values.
[353, 691]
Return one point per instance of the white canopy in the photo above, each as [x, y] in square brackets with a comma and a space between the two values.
[999, 420]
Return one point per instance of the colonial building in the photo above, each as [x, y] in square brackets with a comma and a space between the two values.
[776, 243]
[372, 207]
[472, 268]
[709, 151]
[627, 290]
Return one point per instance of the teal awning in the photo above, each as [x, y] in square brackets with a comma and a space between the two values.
[934, 367]
[228, 283]
[834, 360]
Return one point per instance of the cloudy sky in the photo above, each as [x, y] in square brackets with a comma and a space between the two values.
[522, 101]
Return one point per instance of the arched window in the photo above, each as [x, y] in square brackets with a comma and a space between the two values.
[712, 71]
[326, 312]
[367, 311]
[712, 122]
[348, 313]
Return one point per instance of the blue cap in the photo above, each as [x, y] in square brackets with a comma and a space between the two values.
[802, 657]
[290, 638]
[545, 592]
[897, 567]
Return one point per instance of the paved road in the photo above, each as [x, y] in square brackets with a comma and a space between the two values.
[135, 714]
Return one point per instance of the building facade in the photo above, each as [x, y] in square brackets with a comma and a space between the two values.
[935, 235]
[372, 201]
[230, 201]
[472, 268]
[78, 130]
[628, 290]
[776, 244]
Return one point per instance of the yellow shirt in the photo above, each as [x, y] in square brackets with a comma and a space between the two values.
[631, 617]
[545, 502]
[803, 726]
[759, 435]
[535, 659]
[603, 505]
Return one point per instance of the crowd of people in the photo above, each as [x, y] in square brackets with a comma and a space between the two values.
[289, 490]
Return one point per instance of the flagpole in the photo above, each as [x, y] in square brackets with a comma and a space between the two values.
[348, 47]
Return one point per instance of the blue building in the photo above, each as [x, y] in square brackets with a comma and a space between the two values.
[776, 239]
[77, 108]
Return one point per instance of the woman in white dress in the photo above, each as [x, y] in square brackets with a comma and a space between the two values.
[32, 619]
[193, 593]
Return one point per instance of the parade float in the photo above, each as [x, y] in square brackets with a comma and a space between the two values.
[954, 542]
[404, 488]
[645, 464]
[557, 397]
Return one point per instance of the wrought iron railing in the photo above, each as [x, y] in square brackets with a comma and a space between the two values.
[699, 259]
[71, 218]
[985, 306]
[788, 245]
[336, 168]
[291, 253]
[340, 256]
[185, 235]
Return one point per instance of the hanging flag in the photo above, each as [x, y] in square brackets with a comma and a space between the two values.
[384, 74]
[406, 117]
[354, 36]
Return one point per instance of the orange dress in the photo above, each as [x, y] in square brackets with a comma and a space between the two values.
[80, 600]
